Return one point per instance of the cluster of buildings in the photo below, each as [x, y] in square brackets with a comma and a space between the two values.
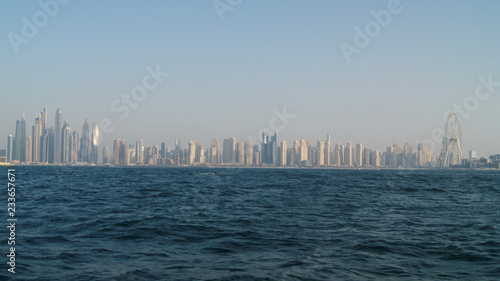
[62, 145]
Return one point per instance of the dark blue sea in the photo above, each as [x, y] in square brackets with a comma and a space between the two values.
[133, 223]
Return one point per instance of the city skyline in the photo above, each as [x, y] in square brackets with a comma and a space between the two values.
[213, 76]
[60, 145]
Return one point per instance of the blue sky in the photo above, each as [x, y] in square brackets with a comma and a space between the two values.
[227, 76]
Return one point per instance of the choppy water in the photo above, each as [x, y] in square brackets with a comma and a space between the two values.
[101, 223]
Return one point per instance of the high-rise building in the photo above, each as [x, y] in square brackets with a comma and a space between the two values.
[282, 155]
[376, 158]
[348, 155]
[94, 151]
[28, 149]
[10, 148]
[73, 143]
[139, 152]
[44, 119]
[105, 155]
[320, 151]
[366, 157]
[248, 154]
[269, 149]
[51, 134]
[389, 158]
[20, 141]
[163, 150]
[36, 135]
[85, 143]
[303, 154]
[191, 152]
[66, 143]
[240, 153]
[199, 153]
[408, 149]
[359, 155]
[256, 155]
[328, 151]
[214, 152]
[337, 161]
[123, 155]
[44, 148]
[58, 137]
[229, 151]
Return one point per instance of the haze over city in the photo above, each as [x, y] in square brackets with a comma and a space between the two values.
[228, 72]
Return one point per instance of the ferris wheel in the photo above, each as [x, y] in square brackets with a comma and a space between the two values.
[451, 152]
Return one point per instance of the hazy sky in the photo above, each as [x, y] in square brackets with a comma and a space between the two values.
[226, 76]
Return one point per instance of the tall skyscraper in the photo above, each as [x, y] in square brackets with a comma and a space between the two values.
[85, 142]
[248, 153]
[36, 134]
[229, 151]
[366, 157]
[44, 148]
[58, 137]
[51, 133]
[139, 152]
[94, 152]
[20, 140]
[240, 153]
[337, 161]
[191, 152]
[44, 120]
[328, 151]
[282, 155]
[105, 155]
[303, 150]
[359, 155]
[269, 150]
[116, 152]
[348, 155]
[74, 147]
[214, 152]
[28, 149]
[66, 143]
[10, 148]
[320, 151]
[123, 154]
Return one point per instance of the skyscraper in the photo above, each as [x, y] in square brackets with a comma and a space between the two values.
[28, 149]
[191, 152]
[66, 143]
[74, 147]
[214, 152]
[36, 135]
[282, 155]
[303, 150]
[94, 152]
[58, 137]
[51, 133]
[10, 148]
[20, 140]
[229, 151]
[320, 151]
[269, 149]
[328, 151]
[85, 142]
[44, 148]
[139, 152]
[359, 155]
[248, 153]
[348, 154]
[366, 157]
[337, 161]
[240, 153]
[116, 152]
[44, 120]
[105, 155]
